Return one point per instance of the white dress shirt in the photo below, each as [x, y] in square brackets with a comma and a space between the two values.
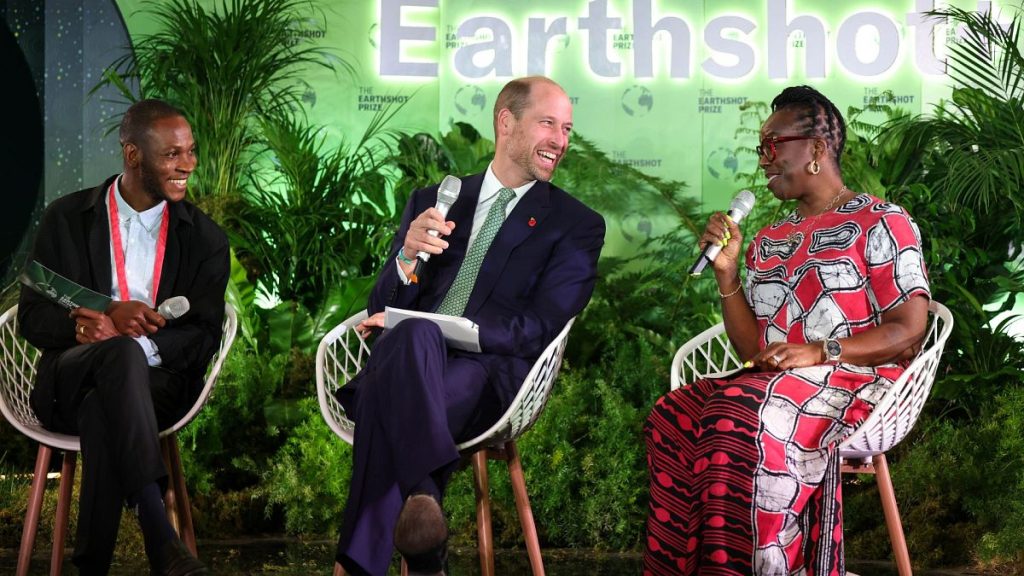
[139, 234]
[489, 189]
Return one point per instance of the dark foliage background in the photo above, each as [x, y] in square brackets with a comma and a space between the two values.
[309, 223]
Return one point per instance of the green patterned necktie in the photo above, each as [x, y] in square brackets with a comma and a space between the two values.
[455, 300]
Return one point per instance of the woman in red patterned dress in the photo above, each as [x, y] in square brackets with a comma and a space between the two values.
[744, 470]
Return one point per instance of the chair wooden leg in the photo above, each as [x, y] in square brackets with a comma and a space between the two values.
[35, 506]
[483, 513]
[60, 526]
[184, 508]
[892, 515]
[515, 472]
[170, 499]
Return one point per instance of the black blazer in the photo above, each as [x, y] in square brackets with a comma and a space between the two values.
[74, 240]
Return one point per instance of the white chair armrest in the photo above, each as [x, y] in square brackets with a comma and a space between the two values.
[339, 357]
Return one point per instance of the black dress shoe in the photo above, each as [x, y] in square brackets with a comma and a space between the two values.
[421, 535]
[174, 559]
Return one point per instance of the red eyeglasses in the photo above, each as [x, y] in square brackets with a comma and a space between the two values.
[767, 148]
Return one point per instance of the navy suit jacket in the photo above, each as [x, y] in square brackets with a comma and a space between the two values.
[538, 273]
[74, 241]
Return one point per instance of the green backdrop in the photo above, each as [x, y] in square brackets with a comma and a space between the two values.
[656, 83]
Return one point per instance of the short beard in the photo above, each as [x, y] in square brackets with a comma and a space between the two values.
[151, 183]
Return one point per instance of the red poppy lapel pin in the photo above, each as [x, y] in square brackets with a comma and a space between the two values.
[532, 222]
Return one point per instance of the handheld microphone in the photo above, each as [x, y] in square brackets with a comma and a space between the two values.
[173, 307]
[741, 205]
[447, 194]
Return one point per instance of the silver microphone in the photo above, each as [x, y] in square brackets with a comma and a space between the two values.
[447, 194]
[173, 307]
[741, 205]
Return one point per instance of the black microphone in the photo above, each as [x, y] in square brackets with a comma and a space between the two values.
[173, 307]
[447, 194]
[741, 205]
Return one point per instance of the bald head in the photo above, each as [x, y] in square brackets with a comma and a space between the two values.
[515, 97]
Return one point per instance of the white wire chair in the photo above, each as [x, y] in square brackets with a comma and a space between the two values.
[342, 353]
[711, 355]
[17, 377]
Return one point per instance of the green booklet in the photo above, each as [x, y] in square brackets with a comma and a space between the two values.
[61, 290]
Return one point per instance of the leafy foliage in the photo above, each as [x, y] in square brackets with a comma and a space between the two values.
[961, 172]
[321, 218]
[309, 476]
[228, 68]
[422, 159]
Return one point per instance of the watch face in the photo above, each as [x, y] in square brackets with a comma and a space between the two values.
[833, 348]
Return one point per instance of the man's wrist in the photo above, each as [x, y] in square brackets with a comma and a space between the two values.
[403, 258]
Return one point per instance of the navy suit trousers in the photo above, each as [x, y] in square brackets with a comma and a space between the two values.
[412, 402]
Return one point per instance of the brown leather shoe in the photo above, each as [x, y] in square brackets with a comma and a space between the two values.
[421, 535]
[174, 559]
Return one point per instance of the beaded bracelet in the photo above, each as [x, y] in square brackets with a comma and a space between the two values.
[403, 259]
[733, 293]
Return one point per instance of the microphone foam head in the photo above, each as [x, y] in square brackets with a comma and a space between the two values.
[174, 307]
[449, 190]
[743, 203]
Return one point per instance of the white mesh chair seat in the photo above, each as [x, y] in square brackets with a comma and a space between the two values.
[342, 354]
[711, 355]
[17, 377]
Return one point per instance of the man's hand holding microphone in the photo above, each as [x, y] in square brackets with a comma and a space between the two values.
[424, 238]
[125, 318]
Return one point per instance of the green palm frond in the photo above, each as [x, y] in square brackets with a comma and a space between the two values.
[970, 150]
[320, 215]
[228, 67]
[988, 54]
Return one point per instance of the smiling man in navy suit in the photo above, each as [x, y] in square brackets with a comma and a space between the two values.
[518, 256]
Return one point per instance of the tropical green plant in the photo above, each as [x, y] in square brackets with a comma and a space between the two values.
[423, 159]
[319, 216]
[228, 68]
[960, 170]
[312, 230]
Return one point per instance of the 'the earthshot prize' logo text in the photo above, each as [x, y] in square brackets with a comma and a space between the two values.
[639, 163]
[882, 96]
[708, 103]
[307, 30]
[367, 100]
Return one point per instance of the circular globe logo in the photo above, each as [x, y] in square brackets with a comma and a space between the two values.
[308, 93]
[470, 100]
[636, 226]
[722, 164]
[637, 101]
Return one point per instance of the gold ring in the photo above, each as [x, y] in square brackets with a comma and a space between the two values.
[81, 329]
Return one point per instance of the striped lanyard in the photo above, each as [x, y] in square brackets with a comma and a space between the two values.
[115, 237]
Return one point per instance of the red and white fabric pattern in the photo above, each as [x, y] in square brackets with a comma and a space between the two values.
[744, 470]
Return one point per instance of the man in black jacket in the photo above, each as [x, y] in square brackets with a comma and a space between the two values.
[117, 377]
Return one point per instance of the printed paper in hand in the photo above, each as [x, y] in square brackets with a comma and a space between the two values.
[459, 332]
[61, 290]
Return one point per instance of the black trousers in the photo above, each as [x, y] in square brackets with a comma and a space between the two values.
[116, 403]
